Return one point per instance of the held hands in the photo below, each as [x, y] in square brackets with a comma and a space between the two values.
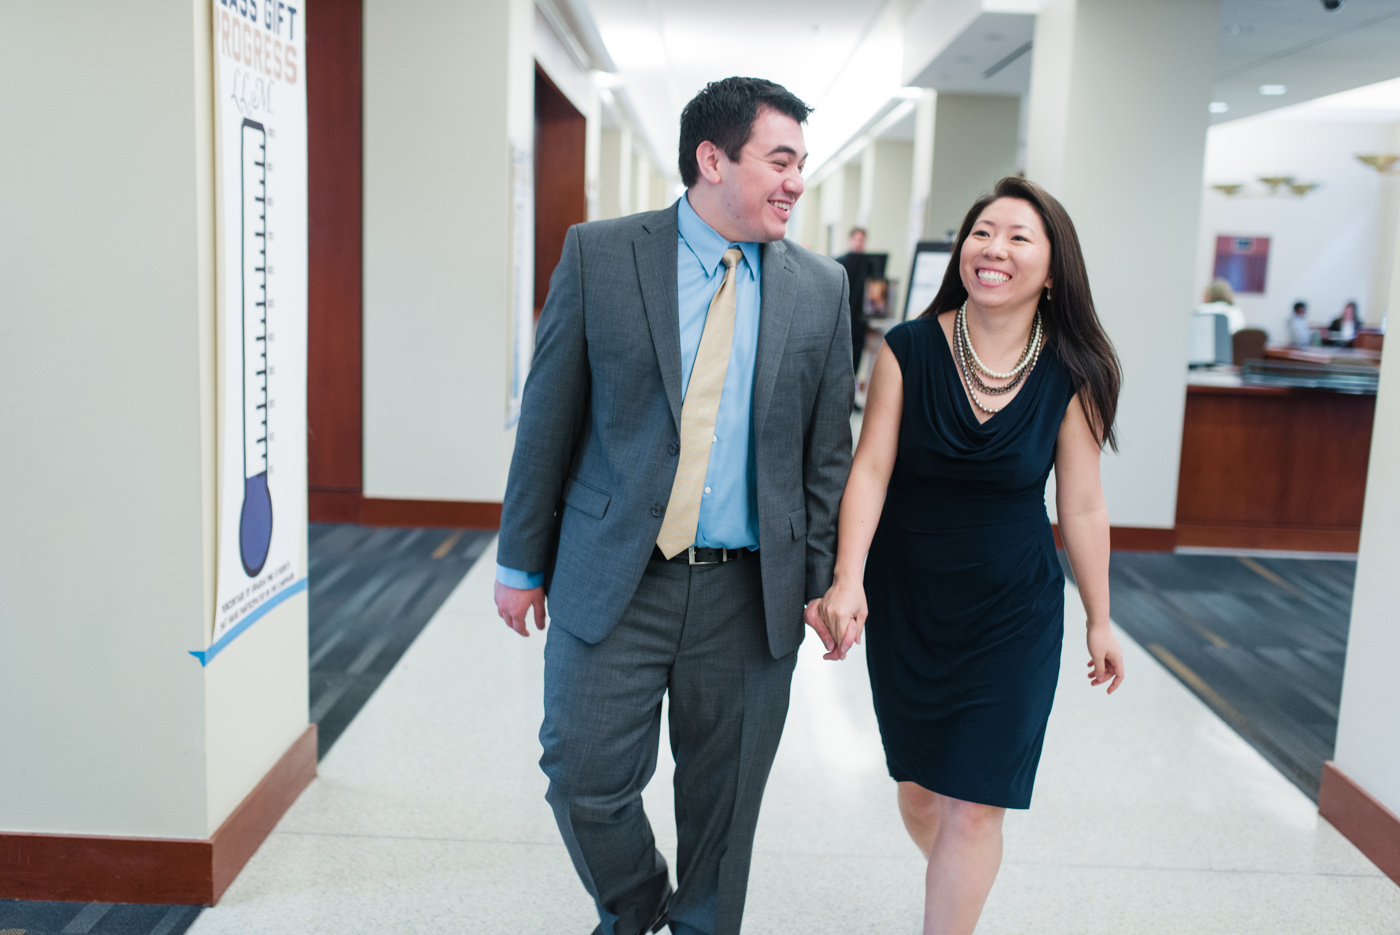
[512, 603]
[838, 618]
[1106, 657]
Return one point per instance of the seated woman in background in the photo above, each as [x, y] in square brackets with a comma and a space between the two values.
[1220, 300]
[1342, 331]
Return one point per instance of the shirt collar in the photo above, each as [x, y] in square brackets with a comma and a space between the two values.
[705, 243]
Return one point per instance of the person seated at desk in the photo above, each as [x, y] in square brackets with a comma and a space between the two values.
[1299, 331]
[1342, 331]
[1220, 300]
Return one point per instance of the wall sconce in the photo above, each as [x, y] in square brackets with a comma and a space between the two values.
[1382, 164]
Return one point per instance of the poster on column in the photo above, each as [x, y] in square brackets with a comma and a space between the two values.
[260, 179]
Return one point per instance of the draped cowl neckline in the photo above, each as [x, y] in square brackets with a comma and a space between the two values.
[951, 412]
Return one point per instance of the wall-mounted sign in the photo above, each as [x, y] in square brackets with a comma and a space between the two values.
[1243, 262]
[260, 210]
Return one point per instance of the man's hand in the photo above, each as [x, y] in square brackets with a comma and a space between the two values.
[511, 604]
[812, 616]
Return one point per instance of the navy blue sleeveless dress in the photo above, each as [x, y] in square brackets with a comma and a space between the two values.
[965, 592]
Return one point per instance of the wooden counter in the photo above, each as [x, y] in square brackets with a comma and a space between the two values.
[1272, 468]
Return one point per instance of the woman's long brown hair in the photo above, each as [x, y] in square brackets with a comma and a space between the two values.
[1072, 327]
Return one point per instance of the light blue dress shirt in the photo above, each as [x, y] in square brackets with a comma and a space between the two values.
[729, 505]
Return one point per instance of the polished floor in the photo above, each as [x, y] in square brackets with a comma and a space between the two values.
[1150, 815]
[372, 592]
[1260, 639]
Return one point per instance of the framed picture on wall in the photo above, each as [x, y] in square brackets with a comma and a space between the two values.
[1243, 262]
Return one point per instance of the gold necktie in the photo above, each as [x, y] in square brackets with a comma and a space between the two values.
[698, 412]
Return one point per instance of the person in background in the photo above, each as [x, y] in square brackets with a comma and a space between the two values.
[1299, 331]
[854, 265]
[1220, 300]
[1345, 326]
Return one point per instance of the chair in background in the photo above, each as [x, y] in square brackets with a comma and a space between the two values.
[1248, 344]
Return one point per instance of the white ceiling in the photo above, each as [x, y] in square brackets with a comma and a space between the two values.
[666, 50]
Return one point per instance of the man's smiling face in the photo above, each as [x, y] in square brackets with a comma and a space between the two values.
[758, 192]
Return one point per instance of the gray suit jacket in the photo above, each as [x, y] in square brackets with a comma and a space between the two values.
[600, 424]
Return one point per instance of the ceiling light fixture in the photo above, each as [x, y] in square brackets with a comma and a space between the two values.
[1283, 186]
[1273, 90]
[1218, 107]
[1384, 164]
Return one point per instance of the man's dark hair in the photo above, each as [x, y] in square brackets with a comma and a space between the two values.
[724, 112]
[858, 230]
[1299, 306]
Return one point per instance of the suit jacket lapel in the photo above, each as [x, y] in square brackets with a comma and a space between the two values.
[655, 253]
[778, 295]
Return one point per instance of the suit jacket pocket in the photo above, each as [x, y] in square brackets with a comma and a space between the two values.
[798, 518]
[586, 498]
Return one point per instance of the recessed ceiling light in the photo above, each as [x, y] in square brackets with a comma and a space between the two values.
[1273, 90]
[1218, 107]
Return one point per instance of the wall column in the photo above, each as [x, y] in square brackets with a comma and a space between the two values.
[1361, 788]
[438, 255]
[130, 773]
[1130, 177]
[974, 145]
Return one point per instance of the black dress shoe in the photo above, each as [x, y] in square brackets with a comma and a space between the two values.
[664, 913]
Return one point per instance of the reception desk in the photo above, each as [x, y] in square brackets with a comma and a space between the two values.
[1269, 467]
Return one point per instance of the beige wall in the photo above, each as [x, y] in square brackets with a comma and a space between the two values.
[610, 173]
[107, 542]
[890, 166]
[437, 254]
[974, 145]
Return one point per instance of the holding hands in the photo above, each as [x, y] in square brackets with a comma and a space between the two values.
[838, 617]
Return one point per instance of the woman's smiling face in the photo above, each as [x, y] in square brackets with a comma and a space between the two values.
[1005, 261]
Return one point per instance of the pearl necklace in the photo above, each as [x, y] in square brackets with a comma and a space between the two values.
[962, 344]
[977, 361]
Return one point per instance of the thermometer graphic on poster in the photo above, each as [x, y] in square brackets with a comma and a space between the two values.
[255, 519]
[261, 294]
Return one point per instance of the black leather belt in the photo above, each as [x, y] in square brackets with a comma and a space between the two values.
[701, 556]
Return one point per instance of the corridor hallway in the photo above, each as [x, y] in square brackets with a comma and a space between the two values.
[1150, 815]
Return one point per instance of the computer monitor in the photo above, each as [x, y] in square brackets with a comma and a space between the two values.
[1210, 340]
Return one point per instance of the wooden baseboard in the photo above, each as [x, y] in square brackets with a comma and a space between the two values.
[91, 868]
[455, 514]
[243, 832]
[1295, 538]
[1132, 538]
[1373, 828]
[326, 505]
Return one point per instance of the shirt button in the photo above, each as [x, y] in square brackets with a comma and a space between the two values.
[714, 438]
[656, 509]
[673, 448]
[707, 490]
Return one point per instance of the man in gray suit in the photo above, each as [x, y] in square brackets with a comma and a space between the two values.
[682, 448]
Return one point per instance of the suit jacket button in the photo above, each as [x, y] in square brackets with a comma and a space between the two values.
[673, 448]
[656, 509]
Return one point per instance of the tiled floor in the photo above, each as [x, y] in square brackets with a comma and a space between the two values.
[1150, 816]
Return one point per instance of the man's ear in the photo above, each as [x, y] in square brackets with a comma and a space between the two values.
[708, 157]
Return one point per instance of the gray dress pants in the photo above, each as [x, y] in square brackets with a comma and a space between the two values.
[698, 633]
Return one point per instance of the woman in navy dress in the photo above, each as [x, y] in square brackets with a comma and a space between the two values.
[1006, 375]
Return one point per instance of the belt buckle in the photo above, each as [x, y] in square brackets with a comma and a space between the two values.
[690, 555]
